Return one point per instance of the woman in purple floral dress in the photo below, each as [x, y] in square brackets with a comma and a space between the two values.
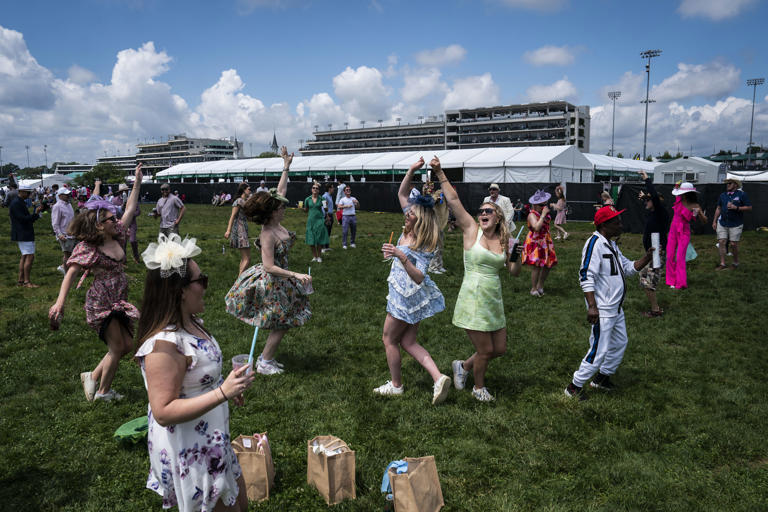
[268, 294]
[192, 464]
[237, 228]
[101, 252]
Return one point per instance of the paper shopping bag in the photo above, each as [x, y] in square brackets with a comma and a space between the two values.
[331, 468]
[418, 489]
[255, 457]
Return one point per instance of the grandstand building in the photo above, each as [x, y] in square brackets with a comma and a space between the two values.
[180, 149]
[65, 169]
[554, 123]
[126, 163]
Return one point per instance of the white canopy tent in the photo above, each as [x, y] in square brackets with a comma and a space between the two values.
[48, 180]
[502, 165]
[749, 175]
[613, 166]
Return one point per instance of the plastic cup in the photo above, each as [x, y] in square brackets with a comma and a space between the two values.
[301, 204]
[239, 361]
[308, 288]
[325, 203]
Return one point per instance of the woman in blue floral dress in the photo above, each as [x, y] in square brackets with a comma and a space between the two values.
[268, 294]
[413, 296]
[192, 464]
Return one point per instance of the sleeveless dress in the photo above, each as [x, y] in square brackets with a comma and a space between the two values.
[108, 295]
[562, 209]
[539, 250]
[192, 464]
[271, 302]
[479, 306]
[238, 238]
[407, 300]
[316, 232]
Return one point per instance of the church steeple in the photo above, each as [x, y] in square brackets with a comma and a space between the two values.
[275, 148]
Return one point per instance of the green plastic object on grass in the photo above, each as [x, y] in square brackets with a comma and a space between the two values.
[133, 431]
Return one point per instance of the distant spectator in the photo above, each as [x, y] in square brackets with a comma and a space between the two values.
[215, 199]
[328, 212]
[12, 192]
[561, 208]
[729, 220]
[504, 203]
[61, 215]
[519, 210]
[170, 209]
[237, 228]
[349, 219]
[23, 233]
[262, 187]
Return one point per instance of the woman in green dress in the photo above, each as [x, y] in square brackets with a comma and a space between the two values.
[479, 306]
[317, 235]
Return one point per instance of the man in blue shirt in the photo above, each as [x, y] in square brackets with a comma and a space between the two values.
[729, 220]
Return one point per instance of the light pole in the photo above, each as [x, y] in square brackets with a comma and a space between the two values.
[754, 82]
[27, 148]
[45, 152]
[648, 54]
[613, 95]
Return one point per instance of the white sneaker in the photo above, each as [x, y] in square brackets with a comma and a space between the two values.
[61, 269]
[388, 389]
[319, 259]
[352, 245]
[314, 259]
[440, 389]
[482, 395]
[274, 362]
[325, 250]
[108, 396]
[89, 385]
[344, 247]
[459, 374]
[268, 368]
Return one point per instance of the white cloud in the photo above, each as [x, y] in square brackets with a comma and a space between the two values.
[535, 5]
[23, 82]
[712, 80]
[560, 90]
[443, 56]
[551, 56]
[421, 83]
[374, 5]
[715, 10]
[80, 75]
[362, 93]
[473, 91]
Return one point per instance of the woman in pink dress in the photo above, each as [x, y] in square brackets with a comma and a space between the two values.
[101, 251]
[538, 250]
[561, 208]
[685, 209]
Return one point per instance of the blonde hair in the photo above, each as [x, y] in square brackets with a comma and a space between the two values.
[426, 229]
[501, 227]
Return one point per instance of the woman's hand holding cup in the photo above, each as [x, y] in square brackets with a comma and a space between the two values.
[237, 381]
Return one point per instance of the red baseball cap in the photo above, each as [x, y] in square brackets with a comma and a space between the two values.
[606, 213]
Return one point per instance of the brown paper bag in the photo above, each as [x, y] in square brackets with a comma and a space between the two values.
[417, 490]
[255, 459]
[332, 475]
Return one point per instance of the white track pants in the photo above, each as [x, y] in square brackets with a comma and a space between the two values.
[606, 349]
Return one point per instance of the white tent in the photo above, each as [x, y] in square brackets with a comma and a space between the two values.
[749, 175]
[693, 169]
[523, 164]
[48, 180]
[611, 165]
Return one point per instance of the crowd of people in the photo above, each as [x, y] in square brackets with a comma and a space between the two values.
[181, 361]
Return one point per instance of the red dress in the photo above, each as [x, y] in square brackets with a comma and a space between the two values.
[108, 294]
[539, 251]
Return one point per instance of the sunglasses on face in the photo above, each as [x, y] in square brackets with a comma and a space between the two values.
[315, 188]
[486, 211]
[202, 279]
[111, 218]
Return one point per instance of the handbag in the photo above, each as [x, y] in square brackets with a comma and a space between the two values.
[418, 489]
[339, 215]
[331, 468]
[255, 458]
[690, 252]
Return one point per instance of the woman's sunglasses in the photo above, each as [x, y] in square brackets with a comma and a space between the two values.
[111, 218]
[202, 279]
[486, 211]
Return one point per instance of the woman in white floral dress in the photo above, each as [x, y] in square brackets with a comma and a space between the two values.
[192, 464]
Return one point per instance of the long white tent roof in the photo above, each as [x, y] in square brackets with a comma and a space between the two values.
[612, 163]
[545, 156]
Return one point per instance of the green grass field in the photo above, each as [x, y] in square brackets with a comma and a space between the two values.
[685, 431]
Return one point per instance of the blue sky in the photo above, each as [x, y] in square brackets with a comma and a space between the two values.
[88, 77]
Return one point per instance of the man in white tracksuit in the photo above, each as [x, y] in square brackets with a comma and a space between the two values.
[601, 275]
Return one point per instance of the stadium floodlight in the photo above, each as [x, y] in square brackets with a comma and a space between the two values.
[754, 82]
[613, 95]
[398, 119]
[648, 54]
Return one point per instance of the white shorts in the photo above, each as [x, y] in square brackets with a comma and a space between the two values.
[733, 234]
[26, 248]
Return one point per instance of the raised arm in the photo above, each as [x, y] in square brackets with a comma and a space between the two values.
[404, 191]
[282, 185]
[133, 199]
[96, 188]
[463, 219]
